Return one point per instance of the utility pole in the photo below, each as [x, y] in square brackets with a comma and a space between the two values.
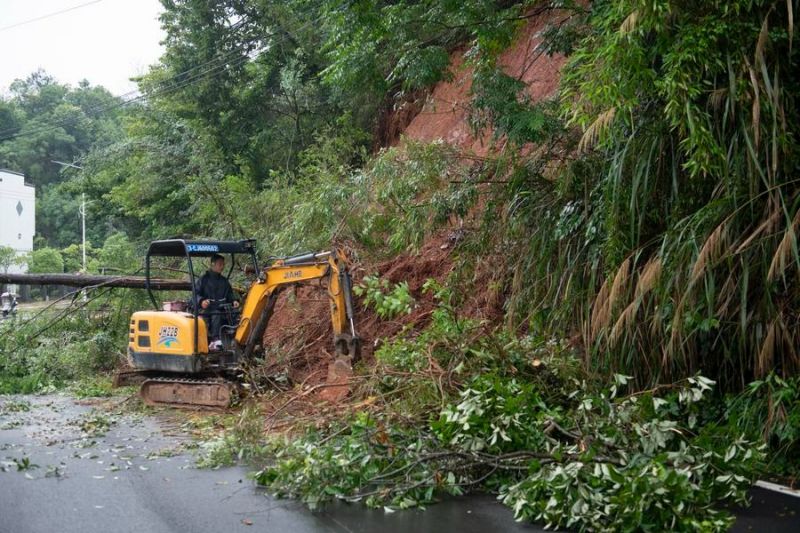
[82, 211]
[83, 229]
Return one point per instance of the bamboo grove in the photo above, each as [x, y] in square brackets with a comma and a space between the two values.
[677, 211]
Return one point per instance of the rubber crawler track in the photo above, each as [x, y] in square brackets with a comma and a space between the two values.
[215, 393]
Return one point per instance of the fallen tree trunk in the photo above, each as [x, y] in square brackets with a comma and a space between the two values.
[85, 280]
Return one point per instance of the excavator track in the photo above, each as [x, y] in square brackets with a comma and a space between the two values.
[215, 393]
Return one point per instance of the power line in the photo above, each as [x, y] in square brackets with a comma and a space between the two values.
[99, 110]
[158, 91]
[47, 16]
[164, 90]
[222, 57]
[129, 98]
[4, 135]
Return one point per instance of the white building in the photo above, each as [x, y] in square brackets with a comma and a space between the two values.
[17, 213]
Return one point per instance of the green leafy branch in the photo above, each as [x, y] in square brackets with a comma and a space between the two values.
[388, 301]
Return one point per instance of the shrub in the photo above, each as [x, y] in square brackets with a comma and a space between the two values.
[387, 302]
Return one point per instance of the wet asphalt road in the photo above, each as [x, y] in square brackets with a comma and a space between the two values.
[137, 477]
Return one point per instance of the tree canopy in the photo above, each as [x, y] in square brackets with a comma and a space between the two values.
[43, 121]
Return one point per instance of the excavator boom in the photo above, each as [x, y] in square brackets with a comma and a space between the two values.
[260, 301]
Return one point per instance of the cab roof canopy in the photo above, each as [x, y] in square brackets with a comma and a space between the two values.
[201, 248]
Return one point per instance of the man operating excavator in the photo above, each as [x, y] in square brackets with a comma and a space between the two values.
[213, 291]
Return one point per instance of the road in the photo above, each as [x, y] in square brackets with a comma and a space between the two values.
[137, 476]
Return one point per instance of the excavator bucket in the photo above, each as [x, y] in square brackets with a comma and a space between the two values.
[337, 385]
[348, 346]
[340, 371]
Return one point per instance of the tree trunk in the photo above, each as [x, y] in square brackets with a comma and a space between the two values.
[82, 280]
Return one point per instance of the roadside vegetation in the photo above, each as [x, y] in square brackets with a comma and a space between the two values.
[457, 408]
[76, 345]
[638, 229]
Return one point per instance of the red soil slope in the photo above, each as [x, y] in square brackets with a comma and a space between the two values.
[300, 334]
[444, 116]
[299, 337]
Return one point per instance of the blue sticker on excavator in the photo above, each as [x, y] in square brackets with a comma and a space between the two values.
[168, 336]
[202, 248]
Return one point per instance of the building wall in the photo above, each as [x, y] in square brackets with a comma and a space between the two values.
[17, 213]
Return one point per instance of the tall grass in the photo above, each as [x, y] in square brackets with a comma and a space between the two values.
[668, 244]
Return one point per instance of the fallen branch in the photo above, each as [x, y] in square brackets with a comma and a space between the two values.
[309, 391]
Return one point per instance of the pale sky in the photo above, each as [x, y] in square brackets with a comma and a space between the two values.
[106, 42]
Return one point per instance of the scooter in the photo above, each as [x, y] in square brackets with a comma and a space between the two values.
[8, 305]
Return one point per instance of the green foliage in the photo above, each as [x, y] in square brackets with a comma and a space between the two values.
[494, 415]
[24, 464]
[94, 423]
[8, 258]
[349, 463]
[499, 101]
[769, 410]
[118, 254]
[604, 464]
[61, 346]
[385, 46]
[666, 241]
[430, 365]
[72, 256]
[416, 190]
[687, 191]
[400, 197]
[159, 180]
[44, 261]
[446, 340]
[255, 128]
[647, 465]
[76, 349]
[14, 406]
[242, 121]
[387, 301]
[92, 387]
[42, 120]
[58, 215]
[243, 441]
[514, 417]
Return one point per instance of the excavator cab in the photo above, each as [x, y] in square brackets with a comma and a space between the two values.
[174, 336]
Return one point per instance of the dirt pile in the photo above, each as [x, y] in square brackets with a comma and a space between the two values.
[299, 337]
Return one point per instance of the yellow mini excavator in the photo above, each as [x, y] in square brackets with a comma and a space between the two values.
[169, 347]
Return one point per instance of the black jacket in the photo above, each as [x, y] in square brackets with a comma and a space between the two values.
[213, 286]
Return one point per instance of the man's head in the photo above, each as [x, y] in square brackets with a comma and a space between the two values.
[217, 263]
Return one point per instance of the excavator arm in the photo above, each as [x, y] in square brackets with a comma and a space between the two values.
[260, 300]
